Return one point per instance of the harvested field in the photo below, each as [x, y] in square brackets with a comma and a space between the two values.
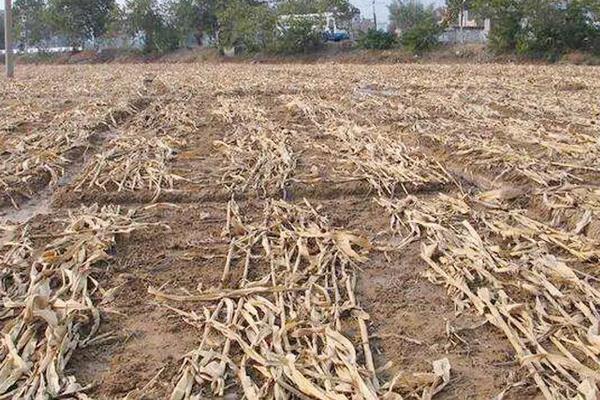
[300, 232]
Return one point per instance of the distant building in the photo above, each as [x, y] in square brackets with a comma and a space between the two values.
[467, 29]
[360, 24]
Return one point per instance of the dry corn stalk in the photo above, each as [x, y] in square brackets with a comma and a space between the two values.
[257, 160]
[574, 207]
[173, 117]
[525, 152]
[239, 110]
[132, 163]
[49, 306]
[33, 155]
[277, 328]
[524, 276]
[38, 157]
[383, 162]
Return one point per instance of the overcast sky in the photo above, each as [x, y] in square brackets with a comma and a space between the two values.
[381, 8]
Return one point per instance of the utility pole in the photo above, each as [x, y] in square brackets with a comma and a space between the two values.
[374, 16]
[462, 21]
[8, 45]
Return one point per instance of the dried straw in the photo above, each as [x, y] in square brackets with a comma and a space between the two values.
[50, 311]
[279, 329]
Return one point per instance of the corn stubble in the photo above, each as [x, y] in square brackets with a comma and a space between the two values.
[130, 163]
[386, 164]
[40, 132]
[524, 277]
[51, 302]
[278, 326]
[285, 322]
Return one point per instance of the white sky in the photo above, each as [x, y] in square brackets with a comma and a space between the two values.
[381, 8]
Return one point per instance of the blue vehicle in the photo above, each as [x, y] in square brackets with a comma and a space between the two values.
[335, 36]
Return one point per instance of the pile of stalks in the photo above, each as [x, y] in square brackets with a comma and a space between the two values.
[574, 208]
[258, 151]
[33, 155]
[48, 151]
[258, 160]
[512, 161]
[169, 117]
[280, 325]
[239, 110]
[130, 163]
[314, 109]
[51, 115]
[386, 164]
[533, 282]
[50, 301]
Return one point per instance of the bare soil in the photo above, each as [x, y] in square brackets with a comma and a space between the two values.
[413, 322]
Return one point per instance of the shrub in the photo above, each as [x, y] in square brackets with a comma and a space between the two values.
[376, 39]
[298, 36]
[423, 37]
[543, 28]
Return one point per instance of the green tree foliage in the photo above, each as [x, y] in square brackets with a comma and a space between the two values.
[145, 18]
[423, 36]
[376, 39]
[32, 21]
[454, 7]
[246, 25]
[418, 26]
[297, 36]
[551, 28]
[506, 16]
[193, 17]
[544, 28]
[117, 23]
[164, 25]
[406, 15]
[80, 20]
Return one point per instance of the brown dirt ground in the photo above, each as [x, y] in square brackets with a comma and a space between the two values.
[413, 322]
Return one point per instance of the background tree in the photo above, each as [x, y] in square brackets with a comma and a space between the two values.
[419, 28]
[454, 8]
[32, 22]
[424, 35]
[406, 15]
[80, 20]
[246, 25]
[297, 36]
[116, 24]
[147, 19]
[193, 18]
[506, 17]
[542, 28]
